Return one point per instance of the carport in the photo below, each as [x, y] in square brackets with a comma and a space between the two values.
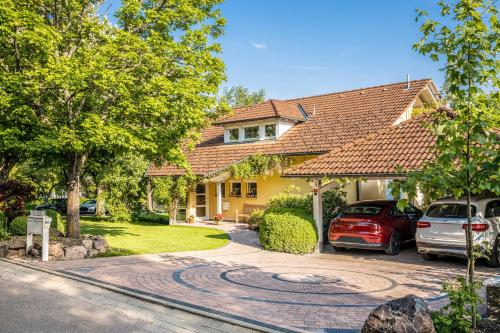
[386, 155]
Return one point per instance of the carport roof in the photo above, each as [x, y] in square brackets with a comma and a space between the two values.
[407, 145]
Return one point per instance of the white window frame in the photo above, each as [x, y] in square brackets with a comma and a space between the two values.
[275, 131]
[229, 134]
[231, 189]
[251, 139]
[256, 186]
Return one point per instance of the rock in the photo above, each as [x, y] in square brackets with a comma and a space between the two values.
[493, 298]
[12, 254]
[22, 252]
[35, 252]
[488, 326]
[99, 243]
[409, 314]
[86, 236]
[56, 251]
[75, 253]
[87, 243]
[4, 249]
[37, 246]
[93, 253]
[16, 243]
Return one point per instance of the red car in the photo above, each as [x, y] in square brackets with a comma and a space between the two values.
[377, 225]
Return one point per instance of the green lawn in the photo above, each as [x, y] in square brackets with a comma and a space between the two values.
[144, 237]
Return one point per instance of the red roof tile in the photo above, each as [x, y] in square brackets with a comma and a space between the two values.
[406, 145]
[333, 120]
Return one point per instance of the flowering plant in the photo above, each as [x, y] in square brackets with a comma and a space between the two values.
[218, 217]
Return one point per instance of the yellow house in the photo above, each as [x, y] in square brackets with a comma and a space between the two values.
[305, 130]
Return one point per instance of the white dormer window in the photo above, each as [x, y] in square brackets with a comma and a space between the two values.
[251, 133]
[234, 135]
[270, 131]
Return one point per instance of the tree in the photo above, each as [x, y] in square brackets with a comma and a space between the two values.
[240, 96]
[13, 198]
[172, 192]
[145, 84]
[466, 150]
[45, 176]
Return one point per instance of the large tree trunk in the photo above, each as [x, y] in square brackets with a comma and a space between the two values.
[100, 209]
[75, 165]
[173, 209]
[149, 197]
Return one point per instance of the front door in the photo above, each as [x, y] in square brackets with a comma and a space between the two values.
[201, 202]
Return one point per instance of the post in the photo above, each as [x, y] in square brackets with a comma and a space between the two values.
[318, 212]
[149, 196]
[45, 242]
[219, 197]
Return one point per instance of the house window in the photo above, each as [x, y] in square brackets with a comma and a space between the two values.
[251, 133]
[270, 131]
[235, 190]
[251, 190]
[222, 189]
[234, 134]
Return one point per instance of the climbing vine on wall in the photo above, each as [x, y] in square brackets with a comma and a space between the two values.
[259, 165]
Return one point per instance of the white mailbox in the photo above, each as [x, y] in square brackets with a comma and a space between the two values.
[38, 224]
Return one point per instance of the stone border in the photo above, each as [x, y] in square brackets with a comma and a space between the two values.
[172, 303]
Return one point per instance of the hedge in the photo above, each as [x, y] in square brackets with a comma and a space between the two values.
[290, 230]
[152, 218]
[18, 226]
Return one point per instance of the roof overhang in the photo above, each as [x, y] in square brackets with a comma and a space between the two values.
[352, 175]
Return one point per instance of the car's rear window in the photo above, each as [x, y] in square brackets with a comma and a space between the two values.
[362, 210]
[451, 210]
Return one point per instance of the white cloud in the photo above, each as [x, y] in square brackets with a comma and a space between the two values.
[258, 45]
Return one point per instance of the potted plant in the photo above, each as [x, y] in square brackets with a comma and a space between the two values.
[191, 219]
[218, 218]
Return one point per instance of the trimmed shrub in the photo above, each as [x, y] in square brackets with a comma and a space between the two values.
[288, 230]
[4, 235]
[152, 218]
[256, 218]
[287, 199]
[57, 221]
[18, 226]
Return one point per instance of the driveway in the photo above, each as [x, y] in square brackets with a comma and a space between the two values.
[327, 292]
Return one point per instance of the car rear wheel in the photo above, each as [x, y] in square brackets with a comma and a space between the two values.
[429, 256]
[394, 244]
[495, 255]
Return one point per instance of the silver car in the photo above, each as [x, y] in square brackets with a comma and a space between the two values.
[441, 230]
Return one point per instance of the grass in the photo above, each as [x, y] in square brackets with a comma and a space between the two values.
[144, 237]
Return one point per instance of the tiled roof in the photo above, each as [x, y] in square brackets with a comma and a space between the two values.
[406, 145]
[272, 108]
[334, 120]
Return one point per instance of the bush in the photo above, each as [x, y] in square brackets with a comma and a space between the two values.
[256, 217]
[13, 197]
[152, 218]
[18, 226]
[288, 230]
[119, 212]
[4, 235]
[3, 220]
[57, 221]
[288, 199]
[334, 201]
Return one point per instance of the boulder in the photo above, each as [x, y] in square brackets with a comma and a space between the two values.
[22, 252]
[93, 253]
[4, 249]
[409, 314]
[34, 252]
[16, 243]
[493, 298]
[56, 251]
[99, 243]
[87, 243]
[12, 254]
[75, 253]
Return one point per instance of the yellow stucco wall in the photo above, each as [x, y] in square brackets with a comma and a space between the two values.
[268, 186]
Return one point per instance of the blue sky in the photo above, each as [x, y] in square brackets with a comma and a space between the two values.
[294, 48]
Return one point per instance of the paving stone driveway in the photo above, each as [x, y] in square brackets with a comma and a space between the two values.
[328, 292]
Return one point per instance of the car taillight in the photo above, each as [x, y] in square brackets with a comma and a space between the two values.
[423, 224]
[477, 227]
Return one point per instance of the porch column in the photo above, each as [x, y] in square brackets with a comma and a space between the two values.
[219, 197]
[318, 212]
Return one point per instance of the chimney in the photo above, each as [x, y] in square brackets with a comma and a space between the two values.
[408, 85]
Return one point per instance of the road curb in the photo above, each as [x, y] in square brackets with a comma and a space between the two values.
[194, 309]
